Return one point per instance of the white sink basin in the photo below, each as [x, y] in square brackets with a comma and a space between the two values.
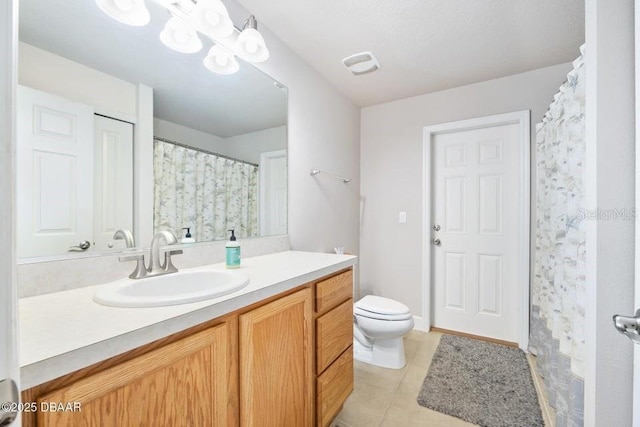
[171, 289]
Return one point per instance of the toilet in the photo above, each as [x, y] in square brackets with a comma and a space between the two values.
[378, 327]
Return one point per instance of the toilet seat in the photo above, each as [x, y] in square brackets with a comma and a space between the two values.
[375, 307]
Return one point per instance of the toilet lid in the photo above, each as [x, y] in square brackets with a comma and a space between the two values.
[379, 305]
[364, 313]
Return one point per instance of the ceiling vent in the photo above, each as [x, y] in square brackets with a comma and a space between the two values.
[361, 63]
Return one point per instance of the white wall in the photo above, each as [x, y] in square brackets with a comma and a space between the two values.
[188, 136]
[324, 133]
[51, 73]
[248, 146]
[610, 185]
[391, 170]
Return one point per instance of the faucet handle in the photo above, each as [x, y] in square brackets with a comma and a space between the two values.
[140, 270]
[135, 256]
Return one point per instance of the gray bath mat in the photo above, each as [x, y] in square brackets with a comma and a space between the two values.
[482, 383]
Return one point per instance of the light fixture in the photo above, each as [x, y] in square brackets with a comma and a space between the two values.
[221, 61]
[188, 17]
[178, 35]
[130, 12]
[250, 44]
[212, 18]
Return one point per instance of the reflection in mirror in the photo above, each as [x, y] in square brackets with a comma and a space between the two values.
[219, 147]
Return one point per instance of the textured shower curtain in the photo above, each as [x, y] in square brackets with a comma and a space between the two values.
[558, 292]
[208, 193]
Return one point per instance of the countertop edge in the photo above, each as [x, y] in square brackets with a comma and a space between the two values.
[46, 370]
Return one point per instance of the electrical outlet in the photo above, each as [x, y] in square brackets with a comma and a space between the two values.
[402, 217]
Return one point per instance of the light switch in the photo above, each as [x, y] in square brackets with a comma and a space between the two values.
[402, 217]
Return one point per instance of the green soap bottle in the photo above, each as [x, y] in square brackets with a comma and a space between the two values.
[233, 252]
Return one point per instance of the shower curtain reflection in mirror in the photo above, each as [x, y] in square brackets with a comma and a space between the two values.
[206, 192]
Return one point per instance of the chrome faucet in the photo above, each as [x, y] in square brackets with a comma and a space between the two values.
[155, 268]
[126, 235]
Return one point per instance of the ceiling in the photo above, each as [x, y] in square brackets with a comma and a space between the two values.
[185, 92]
[424, 45]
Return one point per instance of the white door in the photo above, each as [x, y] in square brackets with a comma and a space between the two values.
[54, 173]
[273, 193]
[475, 262]
[113, 185]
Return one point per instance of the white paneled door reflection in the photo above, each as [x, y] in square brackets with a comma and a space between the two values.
[74, 176]
[475, 184]
[55, 166]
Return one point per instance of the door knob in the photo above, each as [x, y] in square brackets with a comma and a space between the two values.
[82, 246]
[629, 326]
[437, 242]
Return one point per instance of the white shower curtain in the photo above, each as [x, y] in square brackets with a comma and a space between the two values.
[208, 193]
[558, 292]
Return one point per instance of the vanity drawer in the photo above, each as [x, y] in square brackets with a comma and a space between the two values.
[334, 290]
[333, 387]
[334, 333]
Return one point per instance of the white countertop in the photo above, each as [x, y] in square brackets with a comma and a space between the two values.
[66, 331]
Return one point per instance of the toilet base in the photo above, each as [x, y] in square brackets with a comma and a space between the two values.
[386, 353]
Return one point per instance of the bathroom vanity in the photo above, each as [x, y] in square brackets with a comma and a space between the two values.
[278, 352]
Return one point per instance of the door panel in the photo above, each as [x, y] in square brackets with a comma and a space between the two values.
[490, 204]
[55, 166]
[54, 185]
[475, 184]
[489, 283]
[113, 186]
[455, 272]
[455, 209]
[273, 193]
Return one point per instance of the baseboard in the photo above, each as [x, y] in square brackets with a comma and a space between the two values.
[476, 337]
[419, 324]
[548, 414]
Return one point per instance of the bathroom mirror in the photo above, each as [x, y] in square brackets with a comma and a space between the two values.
[220, 141]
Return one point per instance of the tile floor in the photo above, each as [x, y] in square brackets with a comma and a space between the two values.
[387, 397]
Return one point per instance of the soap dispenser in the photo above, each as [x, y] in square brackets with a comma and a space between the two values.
[187, 237]
[233, 251]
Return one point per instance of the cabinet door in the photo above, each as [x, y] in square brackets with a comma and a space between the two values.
[182, 384]
[276, 371]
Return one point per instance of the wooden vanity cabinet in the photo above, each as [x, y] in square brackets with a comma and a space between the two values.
[286, 361]
[184, 383]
